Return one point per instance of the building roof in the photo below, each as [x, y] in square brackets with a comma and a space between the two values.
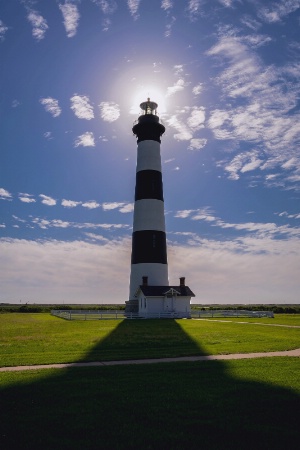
[160, 291]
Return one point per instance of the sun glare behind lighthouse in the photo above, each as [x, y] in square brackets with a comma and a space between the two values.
[143, 93]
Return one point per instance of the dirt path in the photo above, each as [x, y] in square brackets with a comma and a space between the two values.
[295, 352]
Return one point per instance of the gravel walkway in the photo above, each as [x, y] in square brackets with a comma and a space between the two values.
[295, 352]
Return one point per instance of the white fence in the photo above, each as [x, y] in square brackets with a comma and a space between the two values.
[195, 314]
[231, 313]
[88, 315]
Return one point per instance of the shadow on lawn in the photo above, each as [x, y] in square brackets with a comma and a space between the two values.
[159, 406]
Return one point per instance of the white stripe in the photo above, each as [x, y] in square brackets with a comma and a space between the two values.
[149, 215]
[157, 276]
[148, 156]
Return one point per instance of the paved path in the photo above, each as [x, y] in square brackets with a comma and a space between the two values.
[250, 323]
[295, 352]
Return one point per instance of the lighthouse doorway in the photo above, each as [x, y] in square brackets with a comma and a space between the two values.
[170, 301]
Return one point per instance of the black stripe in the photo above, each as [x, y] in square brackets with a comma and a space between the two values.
[149, 185]
[147, 129]
[149, 247]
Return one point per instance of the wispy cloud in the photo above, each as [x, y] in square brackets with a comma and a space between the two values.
[187, 121]
[112, 205]
[183, 132]
[96, 237]
[106, 23]
[121, 206]
[71, 17]
[109, 111]
[80, 105]
[166, 4]
[51, 106]
[291, 163]
[256, 40]
[278, 10]
[184, 213]
[26, 198]
[250, 22]
[178, 86]
[226, 3]
[38, 23]
[49, 201]
[5, 195]
[169, 27]
[3, 30]
[267, 94]
[48, 135]
[197, 144]
[290, 216]
[69, 203]
[197, 89]
[269, 230]
[45, 224]
[193, 9]
[126, 208]
[107, 6]
[197, 118]
[243, 162]
[85, 140]
[91, 204]
[133, 6]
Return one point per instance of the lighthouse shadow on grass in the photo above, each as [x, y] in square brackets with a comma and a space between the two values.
[183, 405]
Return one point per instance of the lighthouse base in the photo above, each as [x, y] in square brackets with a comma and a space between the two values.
[161, 301]
[157, 274]
[131, 306]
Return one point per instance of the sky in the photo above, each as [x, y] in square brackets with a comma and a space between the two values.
[226, 77]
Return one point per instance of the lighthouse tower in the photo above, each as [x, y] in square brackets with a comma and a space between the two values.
[149, 248]
[149, 284]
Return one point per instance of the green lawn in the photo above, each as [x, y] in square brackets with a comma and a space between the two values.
[279, 319]
[42, 339]
[246, 404]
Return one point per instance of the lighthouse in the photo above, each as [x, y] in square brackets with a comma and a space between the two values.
[149, 290]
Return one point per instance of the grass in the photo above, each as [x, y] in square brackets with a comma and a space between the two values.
[279, 319]
[42, 339]
[211, 405]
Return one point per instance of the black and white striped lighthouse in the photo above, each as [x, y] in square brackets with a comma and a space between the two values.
[149, 248]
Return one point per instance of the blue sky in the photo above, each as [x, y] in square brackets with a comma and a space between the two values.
[226, 76]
